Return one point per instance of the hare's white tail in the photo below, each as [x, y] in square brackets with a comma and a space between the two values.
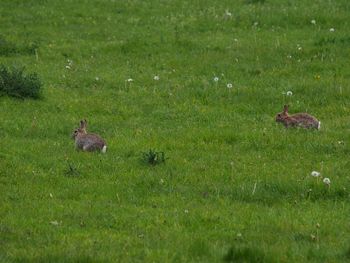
[104, 149]
[319, 125]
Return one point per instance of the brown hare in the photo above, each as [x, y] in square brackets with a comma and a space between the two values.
[303, 120]
[88, 141]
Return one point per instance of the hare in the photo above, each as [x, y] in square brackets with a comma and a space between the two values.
[303, 120]
[88, 141]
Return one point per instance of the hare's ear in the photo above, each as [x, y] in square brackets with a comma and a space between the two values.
[285, 109]
[82, 124]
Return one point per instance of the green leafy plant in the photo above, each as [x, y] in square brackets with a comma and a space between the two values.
[71, 170]
[153, 157]
[15, 83]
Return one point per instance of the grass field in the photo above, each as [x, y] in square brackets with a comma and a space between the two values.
[236, 185]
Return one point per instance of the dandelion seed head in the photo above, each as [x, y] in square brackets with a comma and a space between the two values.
[331, 29]
[326, 181]
[315, 174]
[129, 80]
[313, 21]
[55, 223]
[156, 77]
[228, 13]
[289, 93]
[229, 85]
[216, 79]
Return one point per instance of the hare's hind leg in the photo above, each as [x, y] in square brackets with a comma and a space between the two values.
[88, 147]
[91, 147]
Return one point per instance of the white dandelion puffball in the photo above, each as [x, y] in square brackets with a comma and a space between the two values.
[97, 78]
[228, 13]
[129, 80]
[156, 77]
[313, 21]
[216, 79]
[331, 29]
[289, 93]
[315, 174]
[229, 85]
[327, 181]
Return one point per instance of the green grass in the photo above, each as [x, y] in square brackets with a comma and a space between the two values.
[236, 186]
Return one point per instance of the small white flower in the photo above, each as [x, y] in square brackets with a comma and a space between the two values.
[186, 211]
[68, 67]
[156, 77]
[331, 29]
[70, 62]
[300, 48]
[326, 181]
[97, 78]
[289, 93]
[236, 40]
[227, 13]
[129, 80]
[229, 85]
[55, 223]
[216, 79]
[289, 56]
[313, 21]
[315, 174]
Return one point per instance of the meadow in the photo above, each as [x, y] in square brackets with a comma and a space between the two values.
[200, 81]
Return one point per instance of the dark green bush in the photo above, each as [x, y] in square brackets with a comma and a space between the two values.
[15, 83]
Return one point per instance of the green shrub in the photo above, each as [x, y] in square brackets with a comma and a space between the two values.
[15, 83]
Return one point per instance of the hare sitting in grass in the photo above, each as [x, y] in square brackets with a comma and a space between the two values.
[303, 120]
[88, 141]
